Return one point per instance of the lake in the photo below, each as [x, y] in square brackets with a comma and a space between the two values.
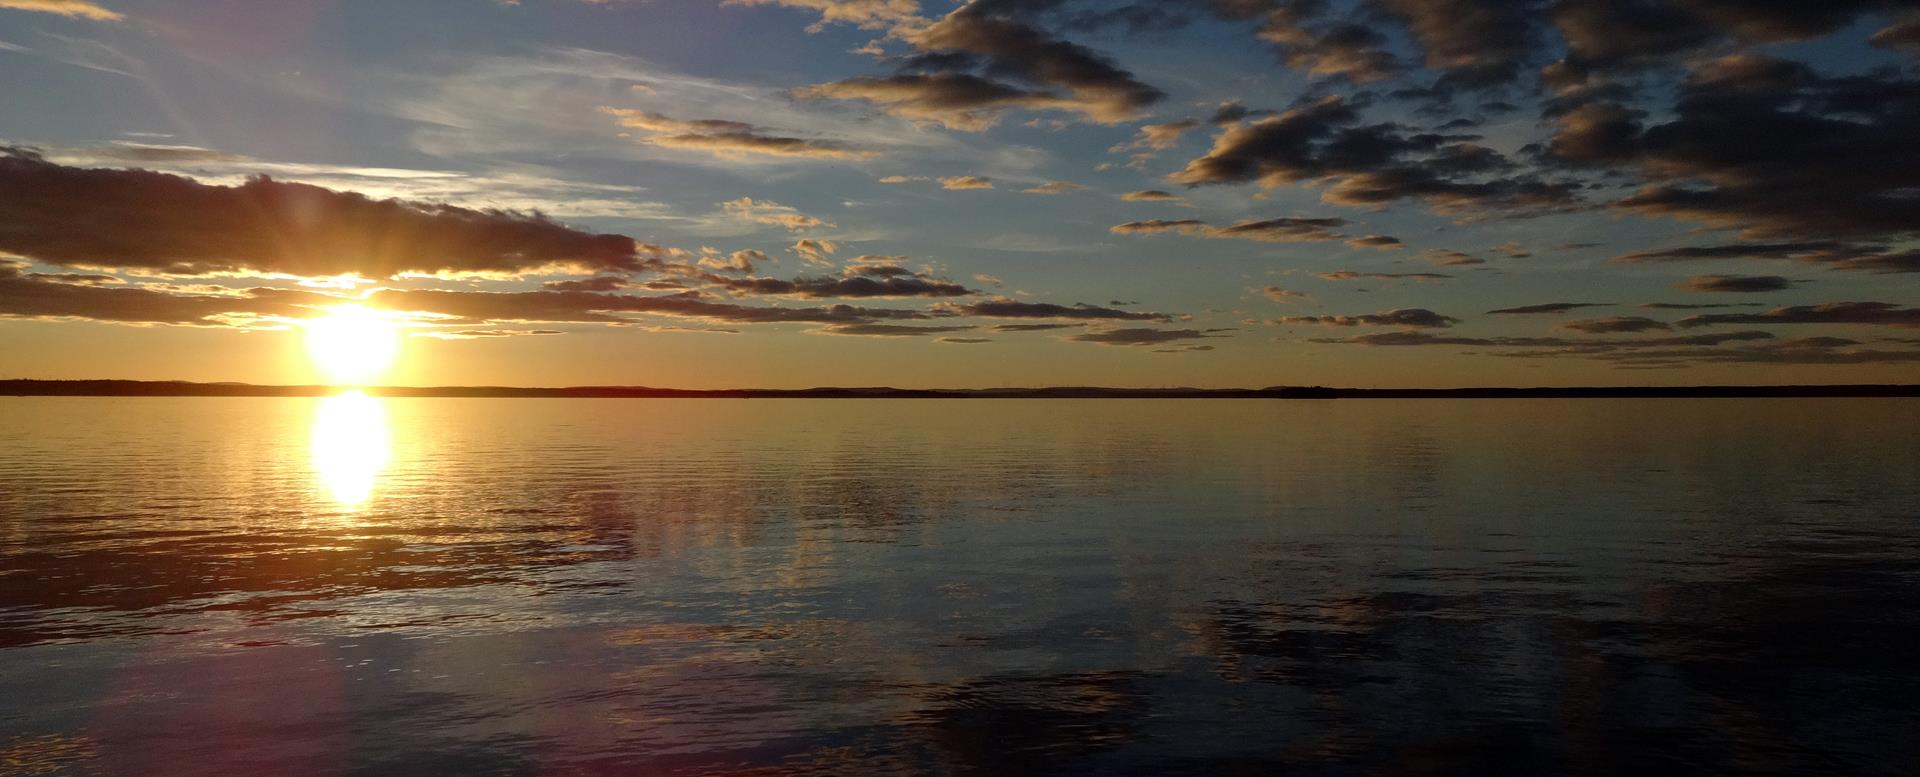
[354, 585]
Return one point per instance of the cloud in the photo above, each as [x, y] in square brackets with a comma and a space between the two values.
[963, 182]
[1447, 257]
[519, 187]
[1278, 294]
[47, 296]
[1152, 195]
[150, 222]
[815, 251]
[1587, 345]
[744, 261]
[1033, 327]
[1903, 34]
[1380, 242]
[1053, 187]
[1834, 255]
[956, 101]
[78, 9]
[1749, 347]
[728, 139]
[1736, 283]
[1809, 350]
[1350, 275]
[1820, 250]
[1277, 230]
[1339, 50]
[1547, 308]
[890, 330]
[1058, 75]
[857, 281]
[588, 307]
[1144, 336]
[865, 14]
[770, 212]
[1417, 318]
[1615, 324]
[1371, 165]
[1871, 313]
[1004, 307]
[1512, 250]
[964, 340]
[1770, 148]
[1472, 43]
[1160, 137]
[1698, 305]
[479, 334]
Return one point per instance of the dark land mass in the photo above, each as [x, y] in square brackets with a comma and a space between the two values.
[139, 388]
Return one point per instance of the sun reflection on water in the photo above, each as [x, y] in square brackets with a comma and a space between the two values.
[350, 446]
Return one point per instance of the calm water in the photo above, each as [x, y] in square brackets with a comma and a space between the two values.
[445, 586]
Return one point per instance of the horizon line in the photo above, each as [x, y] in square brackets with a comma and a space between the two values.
[181, 388]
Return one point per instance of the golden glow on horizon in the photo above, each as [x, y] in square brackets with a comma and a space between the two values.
[350, 446]
[353, 345]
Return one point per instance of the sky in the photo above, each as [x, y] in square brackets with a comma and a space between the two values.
[795, 193]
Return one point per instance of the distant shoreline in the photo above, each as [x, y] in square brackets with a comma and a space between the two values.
[139, 388]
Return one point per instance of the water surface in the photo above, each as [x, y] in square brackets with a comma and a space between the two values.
[524, 586]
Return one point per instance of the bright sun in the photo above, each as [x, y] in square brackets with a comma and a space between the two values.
[352, 345]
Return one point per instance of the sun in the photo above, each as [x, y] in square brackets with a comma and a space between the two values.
[352, 345]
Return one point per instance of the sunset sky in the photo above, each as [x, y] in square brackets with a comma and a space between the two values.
[792, 193]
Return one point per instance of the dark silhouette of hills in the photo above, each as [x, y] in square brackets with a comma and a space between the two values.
[139, 388]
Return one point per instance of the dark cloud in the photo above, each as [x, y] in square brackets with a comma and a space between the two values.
[1278, 294]
[596, 283]
[965, 340]
[1736, 283]
[1616, 33]
[1327, 49]
[1809, 350]
[996, 40]
[1003, 307]
[1371, 165]
[964, 182]
[36, 295]
[1276, 230]
[1546, 308]
[1033, 327]
[1417, 318]
[1585, 345]
[1615, 324]
[151, 222]
[728, 138]
[1903, 34]
[890, 330]
[1699, 305]
[1447, 257]
[1144, 336]
[1151, 195]
[1471, 42]
[588, 307]
[1772, 149]
[870, 281]
[1873, 313]
[1382, 242]
[1804, 250]
[1833, 255]
[955, 100]
[1350, 275]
